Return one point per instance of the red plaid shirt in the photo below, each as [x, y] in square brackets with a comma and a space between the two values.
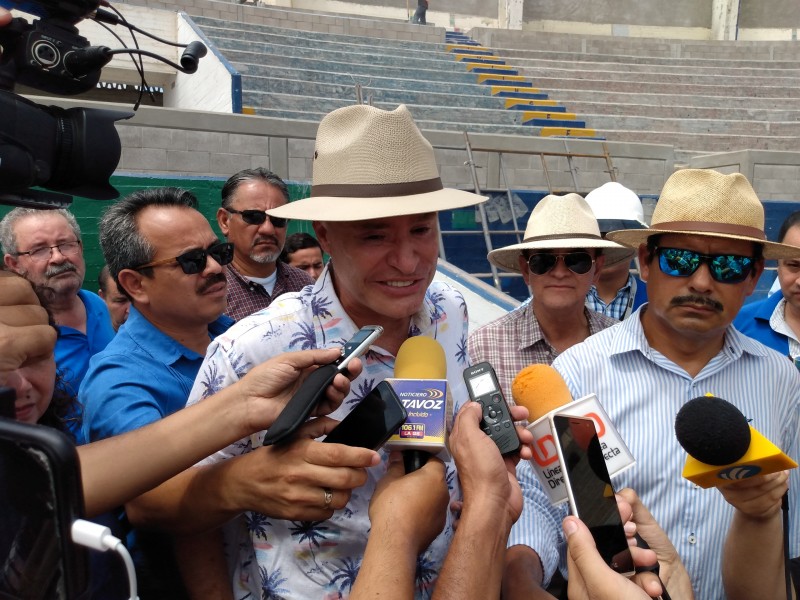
[246, 297]
[515, 341]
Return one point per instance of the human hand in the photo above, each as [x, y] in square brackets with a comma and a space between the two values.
[486, 476]
[758, 498]
[411, 506]
[269, 386]
[671, 570]
[25, 335]
[5, 17]
[292, 480]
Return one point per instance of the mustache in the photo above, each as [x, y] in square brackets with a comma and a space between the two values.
[697, 301]
[212, 280]
[65, 267]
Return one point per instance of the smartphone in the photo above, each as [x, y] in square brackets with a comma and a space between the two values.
[40, 498]
[373, 421]
[589, 489]
[313, 389]
[497, 423]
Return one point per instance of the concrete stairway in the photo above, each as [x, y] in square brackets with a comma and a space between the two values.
[701, 97]
[295, 74]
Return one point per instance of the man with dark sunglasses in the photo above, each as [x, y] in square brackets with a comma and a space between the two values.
[255, 276]
[165, 257]
[701, 258]
[561, 256]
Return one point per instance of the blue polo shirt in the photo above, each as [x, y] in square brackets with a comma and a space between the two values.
[142, 376]
[753, 320]
[74, 349]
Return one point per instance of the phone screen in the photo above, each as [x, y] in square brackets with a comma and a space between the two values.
[39, 499]
[590, 492]
[373, 421]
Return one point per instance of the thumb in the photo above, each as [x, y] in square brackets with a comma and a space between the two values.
[317, 427]
[395, 468]
[582, 551]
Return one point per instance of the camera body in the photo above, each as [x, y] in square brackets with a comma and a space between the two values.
[72, 151]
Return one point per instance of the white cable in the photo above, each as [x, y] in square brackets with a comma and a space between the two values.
[98, 537]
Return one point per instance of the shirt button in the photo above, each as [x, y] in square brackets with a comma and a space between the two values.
[692, 538]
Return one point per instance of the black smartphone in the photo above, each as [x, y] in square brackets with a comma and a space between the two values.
[40, 498]
[589, 489]
[497, 423]
[313, 389]
[373, 421]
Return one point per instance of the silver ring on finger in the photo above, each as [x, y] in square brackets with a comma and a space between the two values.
[328, 497]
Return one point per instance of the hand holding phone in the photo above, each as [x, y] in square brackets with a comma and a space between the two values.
[591, 495]
[373, 421]
[313, 388]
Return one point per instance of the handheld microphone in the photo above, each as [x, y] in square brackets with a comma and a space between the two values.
[421, 383]
[722, 446]
[542, 390]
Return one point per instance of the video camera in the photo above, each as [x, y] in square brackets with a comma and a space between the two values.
[73, 150]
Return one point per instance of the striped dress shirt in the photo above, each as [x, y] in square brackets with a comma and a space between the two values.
[642, 392]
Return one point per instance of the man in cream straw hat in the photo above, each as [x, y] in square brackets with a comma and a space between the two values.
[701, 258]
[560, 257]
[374, 201]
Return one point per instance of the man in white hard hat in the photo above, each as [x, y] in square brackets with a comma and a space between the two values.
[617, 292]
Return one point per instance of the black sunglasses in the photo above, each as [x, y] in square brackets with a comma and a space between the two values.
[258, 217]
[725, 268]
[194, 261]
[578, 262]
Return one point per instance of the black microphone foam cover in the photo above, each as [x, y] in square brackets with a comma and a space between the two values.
[712, 430]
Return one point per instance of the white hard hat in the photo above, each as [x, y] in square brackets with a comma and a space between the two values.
[616, 207]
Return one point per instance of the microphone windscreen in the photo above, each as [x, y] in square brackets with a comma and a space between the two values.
[540, 389]
[420, 357]
[712, 430]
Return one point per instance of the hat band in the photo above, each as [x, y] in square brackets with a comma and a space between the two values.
[712, 227]
[377, 190]
[562, 236]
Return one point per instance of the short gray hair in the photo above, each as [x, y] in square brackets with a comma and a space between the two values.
[257, 174]
[9, 240]
[123, 246]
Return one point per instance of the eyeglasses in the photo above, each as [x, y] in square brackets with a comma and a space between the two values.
[194, 261]
[258, 217]
[724, 268]
[44, 253]
[578, 262]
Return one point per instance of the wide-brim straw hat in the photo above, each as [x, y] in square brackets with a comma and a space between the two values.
[707, 203]
[369, 164]
[558, 222]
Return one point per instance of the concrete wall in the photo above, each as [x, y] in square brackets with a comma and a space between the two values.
[162, 140]
[775, 175]
[681, 13]
[211, 87]
[777, 14]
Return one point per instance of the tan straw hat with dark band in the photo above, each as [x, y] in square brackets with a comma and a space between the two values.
[371, 163]
[558, 222]
[708, 203]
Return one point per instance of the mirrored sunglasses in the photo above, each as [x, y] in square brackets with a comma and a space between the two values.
[724, 268]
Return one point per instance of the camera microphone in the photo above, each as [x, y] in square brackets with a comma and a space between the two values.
[192, 55]
[81, 62]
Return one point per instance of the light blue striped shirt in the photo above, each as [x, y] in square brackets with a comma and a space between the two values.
[642, 392]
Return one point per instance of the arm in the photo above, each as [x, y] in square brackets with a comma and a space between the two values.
[285, 481]
[159, 451]
[406, 513]
[490, 487]
[757, 523]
